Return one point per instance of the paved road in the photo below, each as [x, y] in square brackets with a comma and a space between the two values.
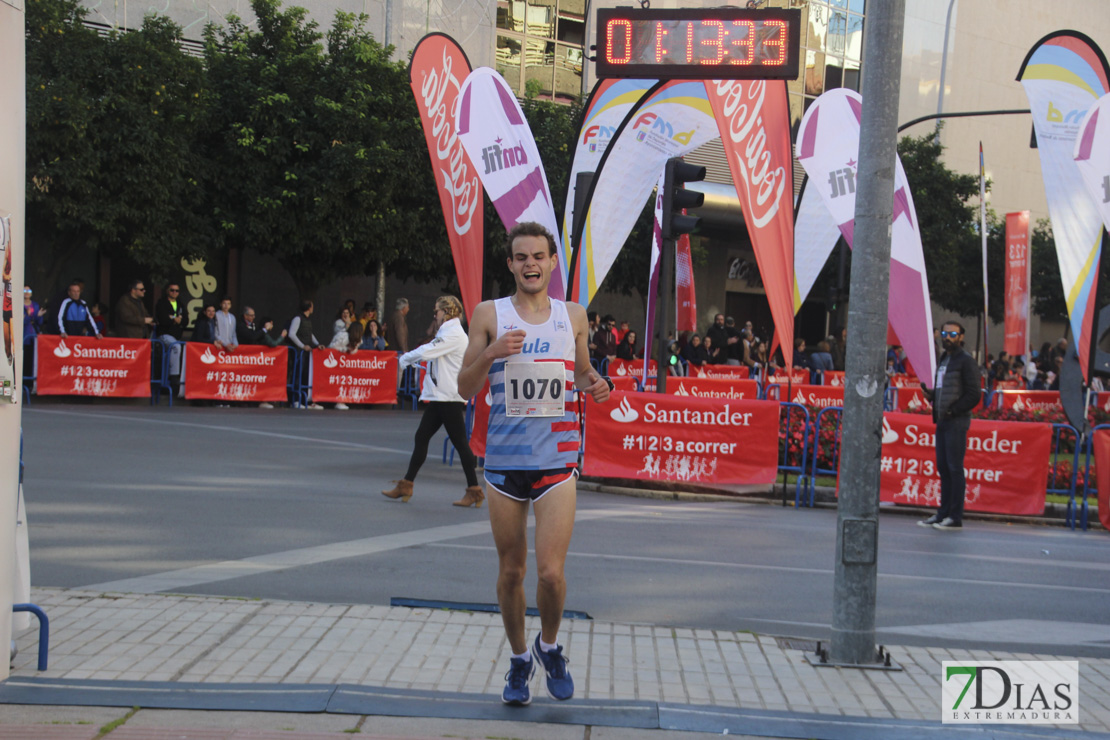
[284, 504]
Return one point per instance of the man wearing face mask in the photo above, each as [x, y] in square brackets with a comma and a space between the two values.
[954, 395]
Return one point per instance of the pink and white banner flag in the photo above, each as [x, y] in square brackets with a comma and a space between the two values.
[828, 148]
[815, 236]
[499, 142]
[1092, 155]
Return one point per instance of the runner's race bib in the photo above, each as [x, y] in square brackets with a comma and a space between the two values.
[535, 388]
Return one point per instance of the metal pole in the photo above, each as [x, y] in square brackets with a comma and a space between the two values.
[943, 66]
[666, 305]
[857, 539]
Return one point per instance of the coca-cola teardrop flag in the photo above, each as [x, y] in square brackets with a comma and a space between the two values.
[1092, 155]
[1063, 75]
[754, 121]
[1018, 275]
[608, 104]
[828, 148]
[496, 135]
[436, 75]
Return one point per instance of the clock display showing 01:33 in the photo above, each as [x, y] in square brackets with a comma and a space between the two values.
[720, 43]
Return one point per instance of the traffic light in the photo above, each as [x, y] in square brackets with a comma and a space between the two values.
[676, 198]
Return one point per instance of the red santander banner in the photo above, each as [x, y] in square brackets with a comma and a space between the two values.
[833, 377]
[904, 380]
[632, 368]
[737, 388]
[817, 396]
[1006, 464]
[735, 372]
[436, 75]
[1018, 271]
[652, 436]
[796, 376]
[1102, 474]
[624, 383]
[912, 400]
[1029, 400]
[362, 377]
[87, 366]
[249, 373]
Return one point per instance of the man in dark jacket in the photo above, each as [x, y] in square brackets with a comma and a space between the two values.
[954, 395]
[133, 321]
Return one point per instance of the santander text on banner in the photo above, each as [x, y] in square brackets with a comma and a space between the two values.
[651, 436]
[86, 366]
[364, 377]
[249, 373]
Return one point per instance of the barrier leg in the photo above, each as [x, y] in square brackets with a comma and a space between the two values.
[44, 630]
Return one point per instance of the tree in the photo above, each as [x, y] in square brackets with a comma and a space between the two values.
[317, 140]
[111, 128]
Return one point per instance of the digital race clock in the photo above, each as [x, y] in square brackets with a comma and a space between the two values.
[688, 43]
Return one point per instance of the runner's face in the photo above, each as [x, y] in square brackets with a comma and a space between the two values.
[531, 264]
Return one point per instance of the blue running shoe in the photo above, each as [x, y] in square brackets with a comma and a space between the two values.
[516, 682]
[560, 685]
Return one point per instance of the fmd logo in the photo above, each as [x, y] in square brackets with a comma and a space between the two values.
[1015, 692]
[656, 125]
[597, 136]
[1055, 115]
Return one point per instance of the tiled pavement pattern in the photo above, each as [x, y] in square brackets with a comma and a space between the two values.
[209, 639]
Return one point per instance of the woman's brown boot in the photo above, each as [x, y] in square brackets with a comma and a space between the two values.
[473, 497]
[403, 490]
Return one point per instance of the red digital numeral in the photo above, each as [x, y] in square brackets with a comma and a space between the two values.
[716, 42]
[660, 52]
[779, 40]
[747, 40]
[609, 34]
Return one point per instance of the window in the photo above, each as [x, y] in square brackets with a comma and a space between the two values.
[540, 46]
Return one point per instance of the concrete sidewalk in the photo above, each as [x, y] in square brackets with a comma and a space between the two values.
[442, 673]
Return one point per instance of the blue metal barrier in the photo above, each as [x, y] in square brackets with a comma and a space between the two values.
[815, 469]
[44, 630]
[1089, 486]
[784, 465]
[409, 387]
[1068, 489]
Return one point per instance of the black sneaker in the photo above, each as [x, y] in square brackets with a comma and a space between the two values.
[948, 523]
[929, 522]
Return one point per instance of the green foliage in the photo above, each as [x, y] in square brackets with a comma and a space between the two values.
[111, 127]
[320, 148]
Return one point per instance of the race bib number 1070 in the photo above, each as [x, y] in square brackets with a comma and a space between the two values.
[534, 388]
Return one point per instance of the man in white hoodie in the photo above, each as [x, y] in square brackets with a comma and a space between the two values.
[445, 407]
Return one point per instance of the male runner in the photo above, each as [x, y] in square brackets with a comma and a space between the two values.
[532, 348]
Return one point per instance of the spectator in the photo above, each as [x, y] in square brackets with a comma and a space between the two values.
[133, 321]
[837, 347]
[626, 350]
[899, 357]
[746, 352]
[675, 365]
[75, 317]
[342, 321]
[622, 331]
[694, 352]
[734, 343]
[398, 328]
[716, 337]
[300, 329]
[225, 327]
[759, 357]
[100, 317]
[300, 336]
[715, 354]
[251, 331]
[592, 316]
[822, 359]
[340, 337]
[32, 314]
[169, 317]
[368, 314]
[801, 358]
[205, 328]
[354, 339]
[605, 342]
[372, 338]
[349, 304]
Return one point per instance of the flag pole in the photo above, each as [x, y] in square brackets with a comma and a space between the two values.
[983, 234]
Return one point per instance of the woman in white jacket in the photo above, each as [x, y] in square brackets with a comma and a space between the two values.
[444, 406]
